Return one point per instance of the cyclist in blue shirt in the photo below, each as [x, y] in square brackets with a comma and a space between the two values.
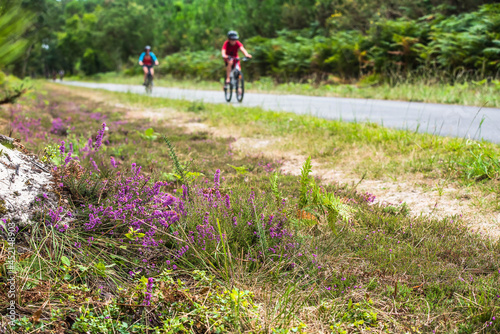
[147, 59]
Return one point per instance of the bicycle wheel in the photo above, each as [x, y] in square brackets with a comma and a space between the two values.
[228, 91]
[240, 87]
[149, 84]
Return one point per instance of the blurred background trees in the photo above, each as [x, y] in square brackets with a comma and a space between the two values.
[290, 39]
[15, 25]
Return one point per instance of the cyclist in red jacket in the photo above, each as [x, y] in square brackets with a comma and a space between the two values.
[230, 50]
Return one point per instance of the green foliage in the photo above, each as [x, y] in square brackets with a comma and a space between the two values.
[133, 234]
[455, 45]
[401, 209]
[180, 171]
[278, 195]
[221, 309]
[241, 170]
[292, 39]
[198, 65]
[356, 317]
[149, 134]
[477, 162]
[470, 41]
[318, 201]
[105, 320]
[14, 21]
[305, 182]
[11, 88]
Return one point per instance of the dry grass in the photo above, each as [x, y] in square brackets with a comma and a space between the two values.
[369, 166]
[408, 267]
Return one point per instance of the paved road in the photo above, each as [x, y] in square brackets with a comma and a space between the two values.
[440, 119]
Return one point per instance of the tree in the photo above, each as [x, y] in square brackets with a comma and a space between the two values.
[13, 24]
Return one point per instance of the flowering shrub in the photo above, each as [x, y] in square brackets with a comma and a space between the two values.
[28, 128]
[59, 126]
[126, 228]
[168, 225]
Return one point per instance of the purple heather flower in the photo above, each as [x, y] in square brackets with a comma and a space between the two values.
[100, 134]
[57, 126]
[94, 164]
[68, 159]
[113, 162]
[217, 178]
[184, 192]
[62, 148]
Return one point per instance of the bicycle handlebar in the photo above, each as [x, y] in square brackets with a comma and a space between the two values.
[237, 58]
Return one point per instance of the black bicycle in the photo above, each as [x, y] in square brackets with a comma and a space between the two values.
[236, 81]
[149, 82]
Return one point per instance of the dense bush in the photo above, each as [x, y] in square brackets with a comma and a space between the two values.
[100, 35]
[202, 64]
[471, 41]
[457, 44]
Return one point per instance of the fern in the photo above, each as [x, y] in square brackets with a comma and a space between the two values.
[321, 202]
[178, 168]
[305, 183]
[334, 207]
[274, 188]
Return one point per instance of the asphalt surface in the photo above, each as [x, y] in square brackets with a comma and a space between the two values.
[439, 119]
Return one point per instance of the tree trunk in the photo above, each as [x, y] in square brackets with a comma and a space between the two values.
[25, 63]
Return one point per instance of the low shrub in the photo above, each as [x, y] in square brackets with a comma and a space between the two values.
[458, 44]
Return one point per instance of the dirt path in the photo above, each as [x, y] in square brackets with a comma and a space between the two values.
[420, 194]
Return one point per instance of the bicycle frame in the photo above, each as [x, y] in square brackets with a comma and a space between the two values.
[236, 80]
[236, 65]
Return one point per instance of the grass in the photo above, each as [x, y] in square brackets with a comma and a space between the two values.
[472, 93]
[365, 150]
[254, 250]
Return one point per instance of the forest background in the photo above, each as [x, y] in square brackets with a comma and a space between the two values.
[277, 252]
[297, 40]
